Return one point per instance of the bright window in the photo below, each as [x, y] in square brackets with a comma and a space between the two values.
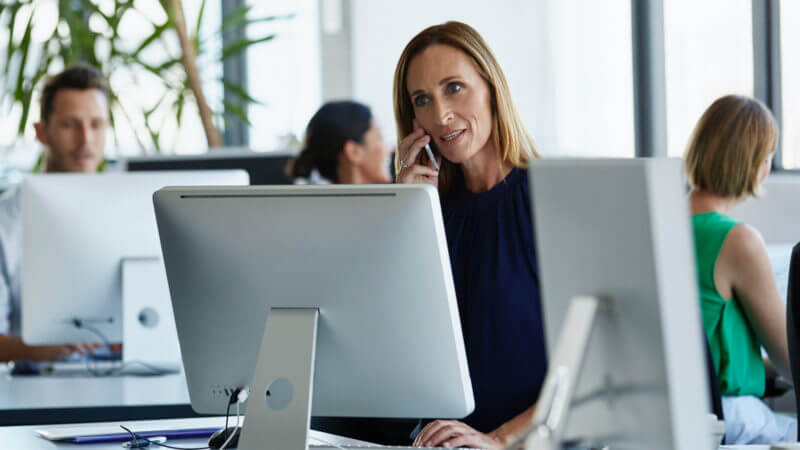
[709, 53]
[284, 73]
[790, 85]
[593, 79]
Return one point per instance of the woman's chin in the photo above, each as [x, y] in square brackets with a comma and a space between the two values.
[456, 157]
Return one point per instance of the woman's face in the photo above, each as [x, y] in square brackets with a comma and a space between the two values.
[376, 156]
[451, 102]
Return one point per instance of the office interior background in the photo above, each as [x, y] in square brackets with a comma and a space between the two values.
[613, 78]
[600, 79]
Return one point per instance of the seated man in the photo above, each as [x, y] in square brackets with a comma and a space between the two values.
[73, 126]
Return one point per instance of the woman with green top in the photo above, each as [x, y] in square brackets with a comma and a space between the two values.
[729, 155]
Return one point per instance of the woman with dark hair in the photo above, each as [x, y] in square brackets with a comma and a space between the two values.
[343, 143]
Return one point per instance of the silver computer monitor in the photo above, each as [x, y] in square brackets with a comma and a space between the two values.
[621, 306]
[79, 230]
[368, 266]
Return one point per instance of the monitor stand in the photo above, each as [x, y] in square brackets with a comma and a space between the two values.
[549, 421]
[279, 404]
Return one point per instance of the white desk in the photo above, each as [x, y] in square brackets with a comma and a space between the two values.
[744, 447]
[54, 399]
[23, 437]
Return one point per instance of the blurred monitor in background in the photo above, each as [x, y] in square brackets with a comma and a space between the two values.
[263, 168]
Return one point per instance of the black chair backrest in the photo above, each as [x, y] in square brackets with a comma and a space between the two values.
[793, 320]
[713, 383]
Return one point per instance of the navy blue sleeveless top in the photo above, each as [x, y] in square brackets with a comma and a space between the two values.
[493, 257]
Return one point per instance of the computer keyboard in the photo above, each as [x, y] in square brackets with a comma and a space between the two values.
[105, 368]
[382, 447]
[360, 447]
[321, 440]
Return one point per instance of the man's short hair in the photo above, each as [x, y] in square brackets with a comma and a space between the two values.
[80, 76]
[730, 143]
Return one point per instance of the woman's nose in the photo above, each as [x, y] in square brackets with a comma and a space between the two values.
[443, 112]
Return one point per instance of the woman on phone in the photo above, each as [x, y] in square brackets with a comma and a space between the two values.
[451, 94]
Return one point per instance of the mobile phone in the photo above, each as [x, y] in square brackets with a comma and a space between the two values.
[431, 156]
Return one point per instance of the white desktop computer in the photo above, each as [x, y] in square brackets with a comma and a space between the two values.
[91, 252]
[621, 307]
[336, 300]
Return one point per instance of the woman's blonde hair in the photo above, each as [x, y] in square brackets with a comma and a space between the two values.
[512, 140]
[731, 141]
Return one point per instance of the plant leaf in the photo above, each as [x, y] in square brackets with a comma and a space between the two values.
[179, 104]
[241, 45]
[24, 47]
[269, 19]
[149, 111]
[44, 64]
[237, 111]
[167, 64]
[80, 37]
[155, 136]
[199, 19]
[236, 18]
[157, 32]
[11, 48]
[239, 91]
[90, 6]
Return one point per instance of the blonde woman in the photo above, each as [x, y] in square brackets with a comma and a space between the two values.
[729, 155]
[450, 93]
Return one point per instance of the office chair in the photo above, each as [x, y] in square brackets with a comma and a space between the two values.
[793, 318]
[713, 383]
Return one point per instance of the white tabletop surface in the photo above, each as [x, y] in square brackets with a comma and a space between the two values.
[49, 391]
[744, 447]
[25, 437]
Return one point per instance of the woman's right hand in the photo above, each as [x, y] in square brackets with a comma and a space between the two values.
[57, 352]
[411, 169]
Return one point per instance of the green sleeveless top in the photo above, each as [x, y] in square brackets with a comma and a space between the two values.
[734, 347]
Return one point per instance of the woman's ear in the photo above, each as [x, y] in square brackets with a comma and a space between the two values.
[353, 152]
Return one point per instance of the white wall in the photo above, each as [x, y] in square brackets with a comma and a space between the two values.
[776, 214]
[568, 63]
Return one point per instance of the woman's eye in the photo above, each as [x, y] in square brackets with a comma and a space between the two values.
[452, 88]
[420, 100]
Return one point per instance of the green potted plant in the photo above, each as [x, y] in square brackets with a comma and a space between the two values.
[74, 39]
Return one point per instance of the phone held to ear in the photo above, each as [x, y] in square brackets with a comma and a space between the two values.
[431, 157]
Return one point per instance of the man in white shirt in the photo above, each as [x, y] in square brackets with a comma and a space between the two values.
[73, 126]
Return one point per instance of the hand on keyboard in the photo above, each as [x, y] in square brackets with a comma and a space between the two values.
[57, 352]
[452, 433]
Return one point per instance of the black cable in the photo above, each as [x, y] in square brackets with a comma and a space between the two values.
[136, 438]
[231, 400]
[92, 368]
[227, 415]
[81, 325]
